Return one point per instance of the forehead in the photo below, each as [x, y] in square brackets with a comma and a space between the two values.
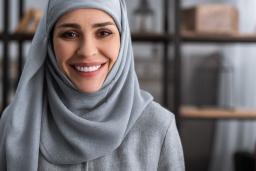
[85, 16]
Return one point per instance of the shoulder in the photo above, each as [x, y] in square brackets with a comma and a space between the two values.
[4, 122]
[155, 119]
[158, 114]
[156, 110]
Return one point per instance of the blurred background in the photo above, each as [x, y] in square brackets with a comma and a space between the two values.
[196, 57]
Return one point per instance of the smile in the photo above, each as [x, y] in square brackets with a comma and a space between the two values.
[87, 68]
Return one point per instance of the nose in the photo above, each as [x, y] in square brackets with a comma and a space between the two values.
[87, 47]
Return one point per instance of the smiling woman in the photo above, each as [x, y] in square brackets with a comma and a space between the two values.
[79, 105]
[86, 51]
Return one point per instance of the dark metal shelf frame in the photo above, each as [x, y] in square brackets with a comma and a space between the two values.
[17, 36]
[6, 37]
[5, 64]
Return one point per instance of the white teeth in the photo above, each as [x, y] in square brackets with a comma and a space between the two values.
[87, 69]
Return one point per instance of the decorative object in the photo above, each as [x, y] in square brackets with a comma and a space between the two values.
[211, 18]
[29, 21]
[144, 17]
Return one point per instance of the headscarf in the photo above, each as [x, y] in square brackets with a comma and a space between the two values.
[50, 115]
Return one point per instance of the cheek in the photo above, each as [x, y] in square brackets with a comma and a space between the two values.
[63, 52]
[113, 51]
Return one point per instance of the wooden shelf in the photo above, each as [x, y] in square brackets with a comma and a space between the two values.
[218, 38]
[189, 112]
[147, 37]
[187, 37]
[192, 37]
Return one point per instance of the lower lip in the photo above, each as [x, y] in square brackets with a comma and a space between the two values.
[89, 74]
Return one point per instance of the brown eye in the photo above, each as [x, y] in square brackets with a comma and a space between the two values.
[103, 33]
[69, 35]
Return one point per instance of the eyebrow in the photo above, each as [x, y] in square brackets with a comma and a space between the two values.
[77, 26]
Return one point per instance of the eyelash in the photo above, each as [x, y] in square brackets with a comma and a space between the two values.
[67, 35]
[73, 34]
[104, 33]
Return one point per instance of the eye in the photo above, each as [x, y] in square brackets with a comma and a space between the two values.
[103, 33]
[69, 35]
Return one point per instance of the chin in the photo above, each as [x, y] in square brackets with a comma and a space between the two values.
[89, 89]
[88, 86]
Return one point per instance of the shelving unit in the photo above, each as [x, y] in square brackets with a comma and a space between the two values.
[188, 112]
[206, 115]
[177, 38]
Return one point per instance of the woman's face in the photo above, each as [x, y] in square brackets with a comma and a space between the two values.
[86, 44]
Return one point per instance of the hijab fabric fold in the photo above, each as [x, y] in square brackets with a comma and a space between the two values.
[49, 114]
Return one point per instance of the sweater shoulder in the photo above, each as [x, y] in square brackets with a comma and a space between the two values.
[155, 118]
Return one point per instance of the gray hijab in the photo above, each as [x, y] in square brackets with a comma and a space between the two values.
[50, 115]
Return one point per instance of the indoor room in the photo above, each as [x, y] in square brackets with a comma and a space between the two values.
[193, 60]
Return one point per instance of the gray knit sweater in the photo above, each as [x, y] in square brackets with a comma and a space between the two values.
[153, 144]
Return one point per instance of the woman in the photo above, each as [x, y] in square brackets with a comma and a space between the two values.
[78, 105]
